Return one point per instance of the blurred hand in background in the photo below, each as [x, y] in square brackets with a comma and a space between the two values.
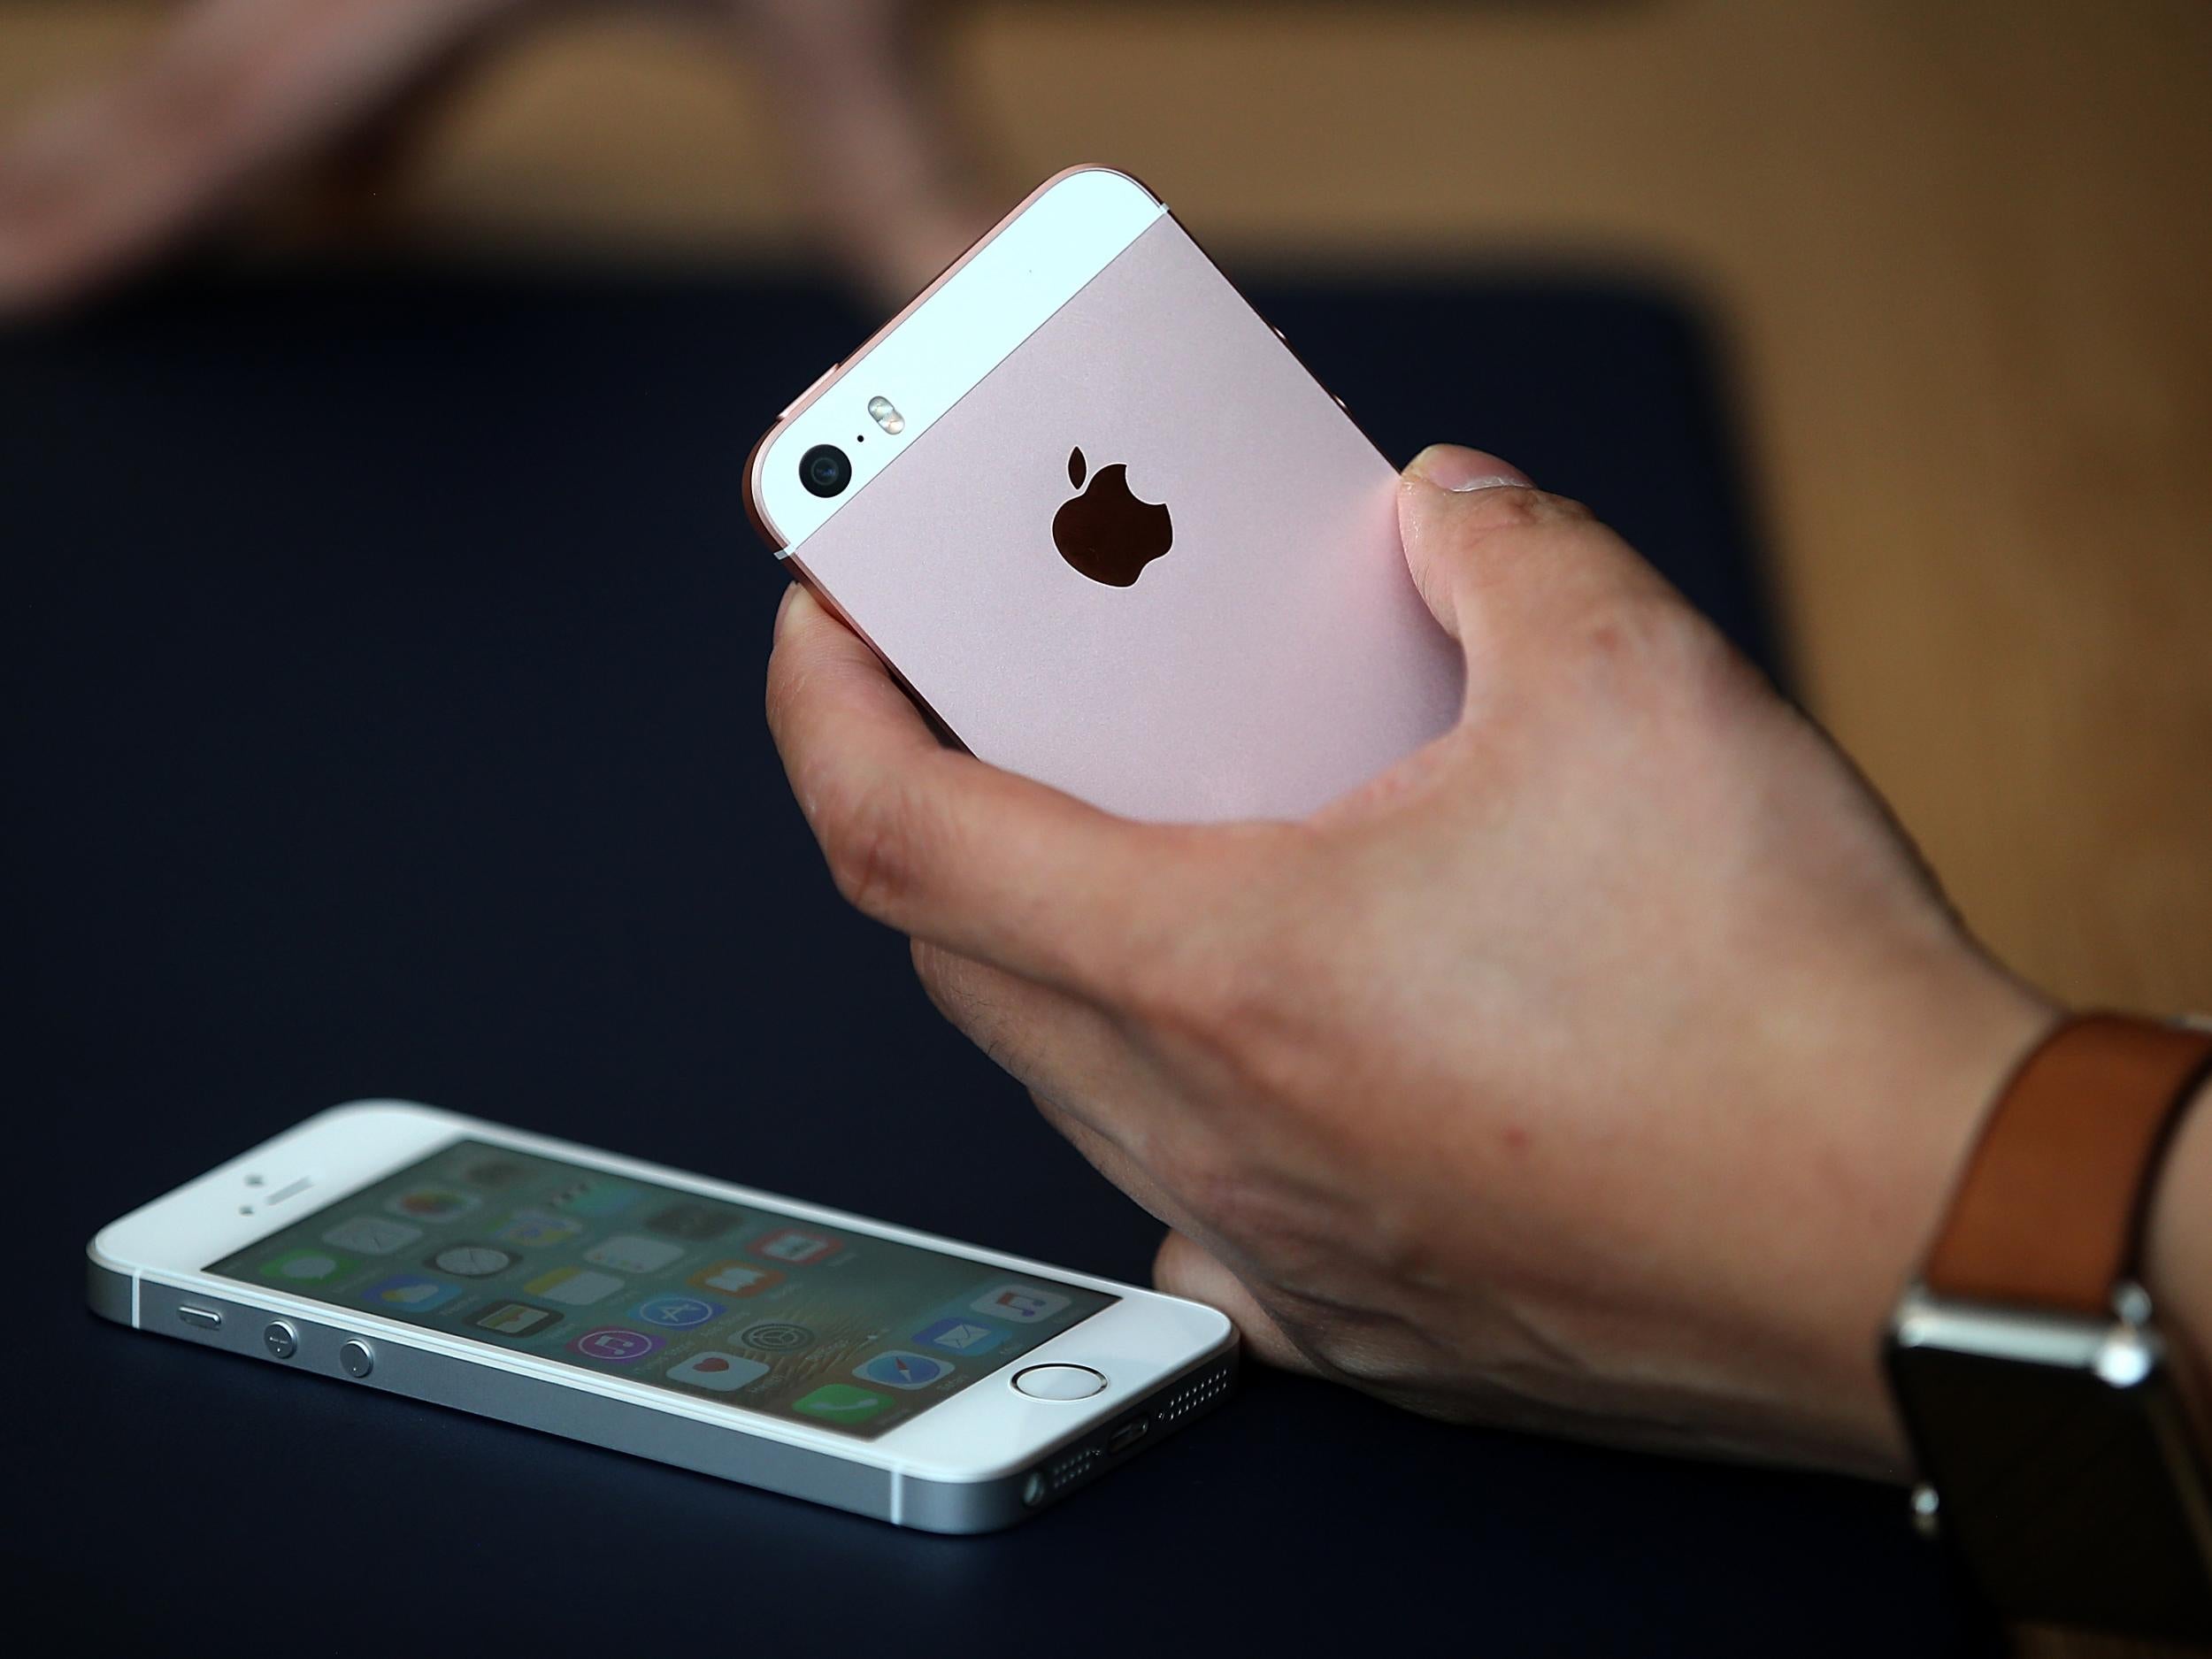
[238, 92]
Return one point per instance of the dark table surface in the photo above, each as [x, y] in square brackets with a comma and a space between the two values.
[384, 663]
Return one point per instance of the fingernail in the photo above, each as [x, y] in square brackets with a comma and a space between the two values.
[1449, 466]
[783, 605]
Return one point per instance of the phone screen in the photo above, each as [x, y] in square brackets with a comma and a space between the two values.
[733, 1303]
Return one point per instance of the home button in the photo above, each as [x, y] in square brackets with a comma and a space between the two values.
[1059, 1382]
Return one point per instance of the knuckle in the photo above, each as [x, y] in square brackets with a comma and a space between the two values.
[1505, 546]
[1522, 510]
[1649, 632]
[872, 840]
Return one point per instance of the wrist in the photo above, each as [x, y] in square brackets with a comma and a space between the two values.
[2177, 1253]
[1947, 1056]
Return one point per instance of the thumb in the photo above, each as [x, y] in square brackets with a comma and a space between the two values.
[1184, 1269]
[1497, 558]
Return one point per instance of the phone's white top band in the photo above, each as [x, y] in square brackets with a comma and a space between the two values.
[978, 314]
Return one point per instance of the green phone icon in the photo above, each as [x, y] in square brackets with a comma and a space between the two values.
[842, 1403]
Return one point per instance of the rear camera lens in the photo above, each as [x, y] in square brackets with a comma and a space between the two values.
[825, 470]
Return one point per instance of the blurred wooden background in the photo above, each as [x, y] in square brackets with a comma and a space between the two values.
[1961, 255]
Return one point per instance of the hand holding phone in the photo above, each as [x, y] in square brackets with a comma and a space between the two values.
[1600, 1068]
[1105, 525]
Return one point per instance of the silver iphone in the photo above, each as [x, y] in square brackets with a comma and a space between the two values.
[401, 1250]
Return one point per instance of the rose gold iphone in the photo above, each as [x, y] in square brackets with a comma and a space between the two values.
[1098, 518]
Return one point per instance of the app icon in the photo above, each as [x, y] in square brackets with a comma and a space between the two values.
[842, 1403]
[535, 1230]
[372, 1235]
[410, 1290]
[615, 1345]
[432, 1203]
[596, 1198]
[694, 1221]
[626, 1252]
[901, 1369]
[308, 1266]
[735, 1279]
[472, 1261]
[1024, 1304]
[721, 1372]
[962, 1336]
[796, 1245]
[577, 1287]
[678, 1313]
[775, 1337]
[514, 1319]
[494, 1172]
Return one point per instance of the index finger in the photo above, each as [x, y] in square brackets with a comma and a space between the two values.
[942, 846]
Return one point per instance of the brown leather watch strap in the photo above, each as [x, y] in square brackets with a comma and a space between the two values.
[2049, 1211]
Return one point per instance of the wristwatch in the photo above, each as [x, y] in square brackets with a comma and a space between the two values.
[2057, 1458]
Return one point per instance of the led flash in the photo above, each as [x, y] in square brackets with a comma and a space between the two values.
[886, 414]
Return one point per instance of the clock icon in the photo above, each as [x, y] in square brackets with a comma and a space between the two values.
[472, 1261]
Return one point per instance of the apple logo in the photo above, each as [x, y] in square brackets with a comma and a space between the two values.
[1106, 533]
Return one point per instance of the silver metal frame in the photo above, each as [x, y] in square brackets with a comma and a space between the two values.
[799, 1471]
[2122, 1349]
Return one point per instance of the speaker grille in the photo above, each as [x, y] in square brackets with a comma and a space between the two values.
[1080, 1463]
[1071, 1467]
[1195, 1397]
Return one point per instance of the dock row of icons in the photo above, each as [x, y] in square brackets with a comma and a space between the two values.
[621, 1345]
[723, 1373]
